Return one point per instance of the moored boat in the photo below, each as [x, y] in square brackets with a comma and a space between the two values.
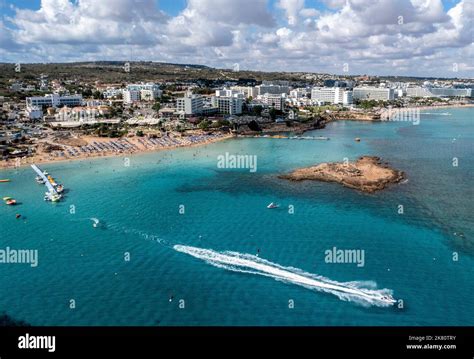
[9, 201]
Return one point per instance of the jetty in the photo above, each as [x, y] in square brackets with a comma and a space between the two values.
[53, 194]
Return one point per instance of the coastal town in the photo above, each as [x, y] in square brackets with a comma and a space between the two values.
[288, 171]
[56, 116]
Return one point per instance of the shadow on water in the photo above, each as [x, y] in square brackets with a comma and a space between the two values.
[7, 321]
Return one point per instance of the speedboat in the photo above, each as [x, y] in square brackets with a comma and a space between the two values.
[9, 201]
[273, 205]
[60, 188]
[388, 299]
[52, 197]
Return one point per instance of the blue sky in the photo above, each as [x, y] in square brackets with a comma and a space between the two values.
[172, 7]
[433, 37]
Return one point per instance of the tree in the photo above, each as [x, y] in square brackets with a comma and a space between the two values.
[204, 125]
[257, 110]
[273, 113]
[97, 95]
[140, 133]
[87, 93]
[156, 107]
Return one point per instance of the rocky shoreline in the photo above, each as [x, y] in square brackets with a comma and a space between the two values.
[367, 174]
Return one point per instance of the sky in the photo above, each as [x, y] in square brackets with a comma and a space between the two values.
[375, 37]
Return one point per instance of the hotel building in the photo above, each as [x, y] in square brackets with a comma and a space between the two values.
[373, 93]
[131, 96]
[228, 102]
[190, 104]
[276, 101]
[332, 95]
[54, 100]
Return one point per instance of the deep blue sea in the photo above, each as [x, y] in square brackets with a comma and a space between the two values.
[225, 210]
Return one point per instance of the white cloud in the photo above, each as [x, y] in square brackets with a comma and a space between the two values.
[366, 34]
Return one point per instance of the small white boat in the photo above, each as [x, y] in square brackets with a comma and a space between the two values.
[273, 205]
[95, 223]
[52, 197]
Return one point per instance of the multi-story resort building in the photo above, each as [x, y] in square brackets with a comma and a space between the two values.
[34, 112]
[131, 96]
[54, 100]
[373, 93]
[276, 101]
[247, 91]
[419, 91]
[451, 92]
[299, 93]
[190, 104]
[272, 89]
[332, 95]
[228, 102]
[148, 91]
[112, 92]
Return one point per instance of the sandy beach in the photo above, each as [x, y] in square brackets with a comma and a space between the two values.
[88, 147]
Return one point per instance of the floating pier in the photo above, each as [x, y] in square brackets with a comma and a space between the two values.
[52, 195]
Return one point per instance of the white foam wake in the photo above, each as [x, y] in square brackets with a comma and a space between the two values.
[364, 293]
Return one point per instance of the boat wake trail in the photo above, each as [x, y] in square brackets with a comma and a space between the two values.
[142, 234]
[363, 293]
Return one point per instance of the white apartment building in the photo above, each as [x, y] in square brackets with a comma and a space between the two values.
[112, 92]
[227, 93]
[131, 96]
[247, 91]
[418, 91]
[298, 93]
[272, 89]
[190, 104]
[332, 95]
[277, 101]
[373, 93]
[228, 105]
[451, 92]
[54, 100]
[148, 92]
[34, 113]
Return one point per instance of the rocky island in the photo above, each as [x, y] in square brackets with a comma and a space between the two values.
[367, 174]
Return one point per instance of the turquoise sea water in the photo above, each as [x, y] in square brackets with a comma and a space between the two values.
[225, 210]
